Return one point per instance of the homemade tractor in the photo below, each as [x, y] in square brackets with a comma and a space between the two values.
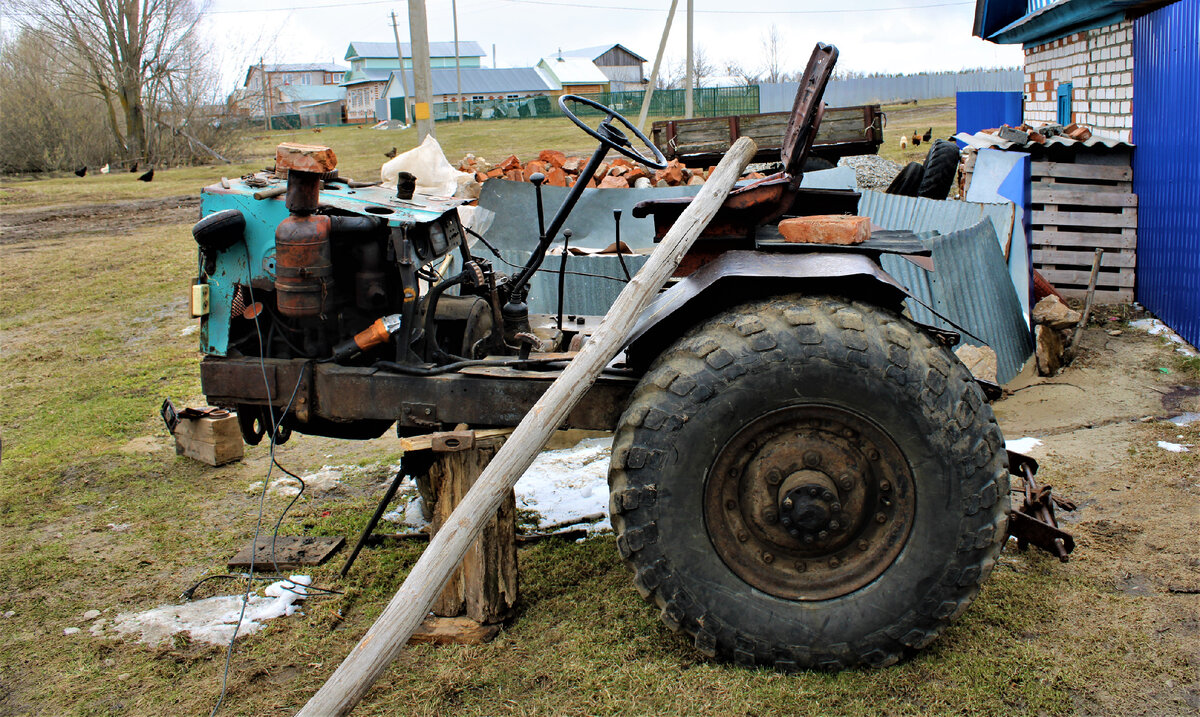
[801, 475]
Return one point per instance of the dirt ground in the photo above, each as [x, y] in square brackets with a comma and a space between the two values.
[96, 512]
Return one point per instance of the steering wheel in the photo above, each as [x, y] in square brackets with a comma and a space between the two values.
[611, 136]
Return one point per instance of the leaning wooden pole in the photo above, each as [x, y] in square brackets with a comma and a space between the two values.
[383, 642]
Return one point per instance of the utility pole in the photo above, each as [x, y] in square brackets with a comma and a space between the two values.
[691, 67]
[262, 86]
[403, 77]
[662, 46]
[418, 30]
[457, 69]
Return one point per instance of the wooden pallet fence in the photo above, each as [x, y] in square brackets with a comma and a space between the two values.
[1077, 208]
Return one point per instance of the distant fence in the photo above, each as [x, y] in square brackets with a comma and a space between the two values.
[707, 102]
[778, 97]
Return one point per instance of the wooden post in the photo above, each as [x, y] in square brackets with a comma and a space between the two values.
[1087, 306]
[485, 586]
[387, 637]
[662, 46]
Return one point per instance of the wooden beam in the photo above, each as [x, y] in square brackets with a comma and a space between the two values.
[1071, 170]
[387, 637]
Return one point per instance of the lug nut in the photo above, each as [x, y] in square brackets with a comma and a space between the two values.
[787, 504]
[873, 454]
[742, 536]
[770, 515]
[845, 482]
[800, 566]
[863, 545]
[787, 522]
[812, 458]
[827, 495]
[823, 534]
[731, 504]
[751, 446]
[880, 518]
[814, 491]
[808, 539]
[834, 525]
[834, 562]
[768, 558]
[885, 485]
[836, 507]
[847, 433]
[774, 477]
[733, 472]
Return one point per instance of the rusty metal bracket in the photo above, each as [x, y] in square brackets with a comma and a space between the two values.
[420, 414]
[1034, 522]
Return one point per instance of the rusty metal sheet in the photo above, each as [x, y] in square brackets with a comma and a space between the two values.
[291, 552]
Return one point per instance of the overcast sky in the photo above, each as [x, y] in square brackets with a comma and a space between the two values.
[872, 35]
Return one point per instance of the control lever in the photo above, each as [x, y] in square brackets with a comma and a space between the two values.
[620, 254]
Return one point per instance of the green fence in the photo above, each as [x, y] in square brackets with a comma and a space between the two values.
[707, 102]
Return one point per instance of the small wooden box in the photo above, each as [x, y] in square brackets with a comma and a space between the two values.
[215, 441]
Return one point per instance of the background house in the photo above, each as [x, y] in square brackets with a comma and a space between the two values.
[573, 75]
[248, 100]
[485, 91]
[372, 63]
[622, 66]
[1131, 70]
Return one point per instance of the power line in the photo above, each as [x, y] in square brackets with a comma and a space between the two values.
[585, 6]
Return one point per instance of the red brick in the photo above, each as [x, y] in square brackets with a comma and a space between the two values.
[614, 183]
[552, 157]
[635, 174]
[556, 177]
[534, 167]
[511, 162]
[495, 172]
[480, 177]
[514, 175]
[826, 229]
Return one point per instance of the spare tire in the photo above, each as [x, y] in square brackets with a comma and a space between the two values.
[908, 182]
[941, 164]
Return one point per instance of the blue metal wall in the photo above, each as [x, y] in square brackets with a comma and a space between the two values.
[1166, 163]
[984, 110]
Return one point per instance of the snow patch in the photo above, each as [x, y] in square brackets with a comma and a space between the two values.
[1022, 445]
[1185, 419]
[1154, 327]
[1173, 447]
[213, 619]
[568, 483]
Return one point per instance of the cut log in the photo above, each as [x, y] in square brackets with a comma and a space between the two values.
[387, 637]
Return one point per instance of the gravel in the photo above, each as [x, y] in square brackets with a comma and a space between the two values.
[871, 171]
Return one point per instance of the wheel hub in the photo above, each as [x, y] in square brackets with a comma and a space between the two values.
[809, 502]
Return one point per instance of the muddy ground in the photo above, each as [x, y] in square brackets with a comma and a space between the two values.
[118, 524]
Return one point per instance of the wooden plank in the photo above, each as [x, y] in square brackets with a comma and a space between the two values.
[1068, 194]
[1081, 171]
[386, 638]
[1081, 185]
[1093, 240]
[1070, 277]
[425, 442]
[291, 552]
[1111, 259]
[214, 454]
[1103, 296]
[1127, 218]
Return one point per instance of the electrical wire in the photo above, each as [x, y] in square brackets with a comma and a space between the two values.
[585, 6]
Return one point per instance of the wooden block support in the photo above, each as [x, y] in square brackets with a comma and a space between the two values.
[484, 587]
[215, 441]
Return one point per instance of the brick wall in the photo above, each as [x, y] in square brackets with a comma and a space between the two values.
[1099, 64]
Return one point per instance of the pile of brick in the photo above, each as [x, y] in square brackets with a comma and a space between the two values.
[1025, 134]
[563, 171]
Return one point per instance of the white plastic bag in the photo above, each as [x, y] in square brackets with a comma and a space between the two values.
[435, 175]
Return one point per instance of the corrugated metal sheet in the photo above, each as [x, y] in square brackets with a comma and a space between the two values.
[982, 140]
[920, 215]
[779, 96]
[971, 287]
[1166, 165]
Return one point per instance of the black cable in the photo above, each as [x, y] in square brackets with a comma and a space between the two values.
[190, 593]
[548, 271]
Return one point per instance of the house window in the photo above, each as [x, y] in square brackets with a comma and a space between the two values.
[513, 97]
[476, 98]
[1064, 103]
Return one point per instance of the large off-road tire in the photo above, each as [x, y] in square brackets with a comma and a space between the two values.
[908, 181]
[891, 464]
[941, 166]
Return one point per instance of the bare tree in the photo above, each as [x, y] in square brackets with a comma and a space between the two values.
[733, 68]
[773, 51]
[134, 55]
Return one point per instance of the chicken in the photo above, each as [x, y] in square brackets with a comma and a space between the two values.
[916, 139]
[133, 168]
[147, 177]
[390, 153]
[928, 135]
[903, 142]
[104, 169]
[81, 171]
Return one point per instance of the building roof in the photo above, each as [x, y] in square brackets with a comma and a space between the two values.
[466, 48]
[983, 140]
[357, 77]
[479, 80]
[593, 53]
[1009, 22]
[571, 71]
[311, 93]
[295, 67]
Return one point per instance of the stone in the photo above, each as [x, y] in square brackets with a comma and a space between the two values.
[826, 229]
[979, 360]
[1048, 349]
[572, 165]
[611, 182]
[695, 180]
[552, 157]
[661, 183]
[618, 170]
[1054, 313]
[642, 183]
[71, 631]
[91, 614]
